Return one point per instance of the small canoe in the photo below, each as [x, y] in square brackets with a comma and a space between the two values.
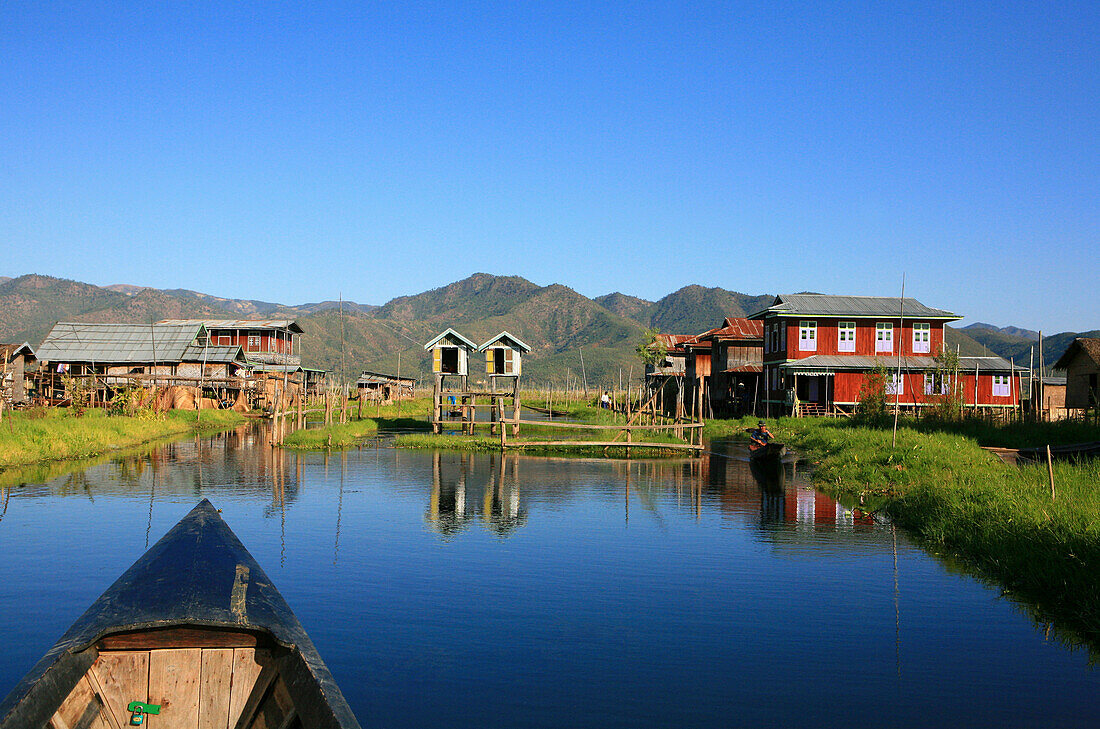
[769, 452]
[192, 635]
[1074, 452]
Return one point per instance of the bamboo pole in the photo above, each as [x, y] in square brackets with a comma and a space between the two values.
[1050, 472]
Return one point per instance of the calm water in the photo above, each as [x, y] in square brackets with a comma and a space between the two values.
[457, 590]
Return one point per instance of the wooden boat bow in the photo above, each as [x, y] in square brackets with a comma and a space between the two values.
[196, 590]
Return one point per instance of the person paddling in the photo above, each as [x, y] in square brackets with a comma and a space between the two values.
[759, 438]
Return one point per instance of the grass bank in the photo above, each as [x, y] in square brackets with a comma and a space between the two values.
[492, 443]
[958, 499]
[337, 435]
[35, 436]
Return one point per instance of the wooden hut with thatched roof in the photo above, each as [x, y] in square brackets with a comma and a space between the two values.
[14, 359]
[1081, 362]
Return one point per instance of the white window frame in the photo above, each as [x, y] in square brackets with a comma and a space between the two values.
[1002, 386]
[884, 336]
[846, 336]
[782, 335]
[767, 339]
[922, 337]
[255, 341]
[895, 385]
[807, 335]
[930, 384]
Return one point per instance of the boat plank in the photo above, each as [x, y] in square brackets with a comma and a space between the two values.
[174, 684]
[81, 709]
[277, 709]
[215, 688]
[123, 677]
[248, 664]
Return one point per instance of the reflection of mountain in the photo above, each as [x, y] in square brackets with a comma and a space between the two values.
[494, 488]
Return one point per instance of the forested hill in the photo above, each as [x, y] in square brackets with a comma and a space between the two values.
[571, 335]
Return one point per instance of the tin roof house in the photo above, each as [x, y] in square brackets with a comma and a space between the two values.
[819, 348]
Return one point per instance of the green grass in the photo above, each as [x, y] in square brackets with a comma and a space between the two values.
[960, 500]
[492, 443]
[337, 435]
[36, 436]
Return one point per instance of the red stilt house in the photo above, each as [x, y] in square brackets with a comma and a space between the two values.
[820, 349]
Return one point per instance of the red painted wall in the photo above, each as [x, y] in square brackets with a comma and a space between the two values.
[848, 384]
[268, 341]
[828, 342]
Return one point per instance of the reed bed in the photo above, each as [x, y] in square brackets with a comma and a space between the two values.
[35, 436]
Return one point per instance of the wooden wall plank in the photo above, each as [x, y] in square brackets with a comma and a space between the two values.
[174, 684]
[124, 677]
[215, 687]
[247, 665]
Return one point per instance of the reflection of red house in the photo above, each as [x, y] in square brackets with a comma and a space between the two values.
[810, 507]
[818, 350]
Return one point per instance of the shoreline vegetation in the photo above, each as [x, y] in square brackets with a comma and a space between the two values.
[29, 437]
[964, 503]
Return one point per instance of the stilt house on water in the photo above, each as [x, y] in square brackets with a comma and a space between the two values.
[667, 375]
[111, 356]
[379, 387]
[451, 354]
[14, 361]
[271, 341]
[273, 350]
[819, 349]
[1081, 362]
[736, 365]
[504, 355]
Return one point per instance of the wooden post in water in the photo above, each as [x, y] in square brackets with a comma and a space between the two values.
[437, 402]
[503, 426]
[515, 408]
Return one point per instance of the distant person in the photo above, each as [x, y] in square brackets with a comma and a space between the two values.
[605, 400]
[759, 438]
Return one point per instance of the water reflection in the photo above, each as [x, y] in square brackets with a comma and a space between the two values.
[493, 485]
[612, 588]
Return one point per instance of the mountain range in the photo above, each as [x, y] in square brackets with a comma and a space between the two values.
[573, 337]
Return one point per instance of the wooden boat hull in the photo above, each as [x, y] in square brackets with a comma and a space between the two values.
[1074, 452]
[770, 452]
[194, 627]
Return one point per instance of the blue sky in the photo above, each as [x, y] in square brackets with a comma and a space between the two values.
[295, 151]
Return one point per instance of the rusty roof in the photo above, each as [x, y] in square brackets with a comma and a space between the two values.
[737, 328]
[745, 368]
[289, 324]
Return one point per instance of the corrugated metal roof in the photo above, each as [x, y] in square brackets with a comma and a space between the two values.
[213, 354]
[744, 369]
[95, 342]
[819, 362]
[372, 377]
[290, 324]
[265, 367]
[855, 306]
